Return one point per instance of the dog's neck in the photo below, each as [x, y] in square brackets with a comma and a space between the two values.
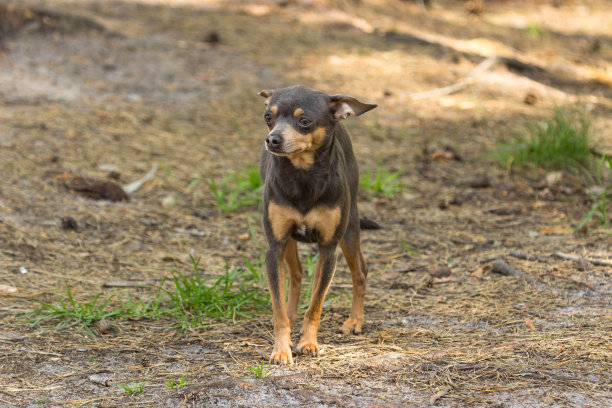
[306, 188]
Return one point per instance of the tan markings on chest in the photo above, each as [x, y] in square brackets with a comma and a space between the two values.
[323, 219]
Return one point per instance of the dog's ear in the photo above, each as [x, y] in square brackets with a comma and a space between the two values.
[343, 106]
[266, 93]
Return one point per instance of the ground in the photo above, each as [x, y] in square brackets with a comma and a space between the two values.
[90, 88]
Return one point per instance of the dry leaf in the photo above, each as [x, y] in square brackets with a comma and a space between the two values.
[529, 323]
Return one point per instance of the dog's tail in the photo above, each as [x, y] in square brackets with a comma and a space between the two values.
[366, 224]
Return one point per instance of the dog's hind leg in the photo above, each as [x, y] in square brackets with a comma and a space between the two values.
[359, 271]
[295, 279]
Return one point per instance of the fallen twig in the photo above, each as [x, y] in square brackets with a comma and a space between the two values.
[128, 284]
[529, 257]
[572, 280]
[135, 185]
[459, 85]
[437, 396]
[594, 261]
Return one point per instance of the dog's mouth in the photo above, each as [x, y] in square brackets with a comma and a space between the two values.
[282, 150]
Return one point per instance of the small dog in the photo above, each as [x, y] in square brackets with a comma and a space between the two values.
[310, 195]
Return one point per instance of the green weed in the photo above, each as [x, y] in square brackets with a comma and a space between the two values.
[134, 388]
[599, 199]
[311, 264]
[259, 371]
[149, 309]
[562, 143]
[237, 190]
[196, 297]
[382, 181]
[534, 31]
[71, 313]
[177, 384]
[412, 252]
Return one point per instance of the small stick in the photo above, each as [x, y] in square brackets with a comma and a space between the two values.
[459, 85]
[127, 284]
[594, 261]
[577, 282]
[135, 185]
[437, 396]
[529, 257]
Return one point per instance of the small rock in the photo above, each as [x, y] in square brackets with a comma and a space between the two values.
[105, 326]
[553, 178]
[69, 223]
[212, 37]
[530, 99]
[441, 272]
[480, 181]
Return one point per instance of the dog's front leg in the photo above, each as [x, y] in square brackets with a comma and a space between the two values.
[323, 275]
[275, 269]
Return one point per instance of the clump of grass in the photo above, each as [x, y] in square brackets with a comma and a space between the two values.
[600, 203]
[382, 181]
[237, 190]
[133, 389]
[311, 264]
[196, 297]
[172, 384]
[71, 313]
[562, 143]
[259, 371]
[192, 299]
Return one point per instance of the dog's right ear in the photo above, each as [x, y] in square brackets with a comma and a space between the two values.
[267, 93]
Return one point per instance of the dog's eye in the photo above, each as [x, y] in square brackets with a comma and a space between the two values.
[304, 122]
[268, 118]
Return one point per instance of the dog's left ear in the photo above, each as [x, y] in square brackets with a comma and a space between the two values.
[344, 106]
[266, 94]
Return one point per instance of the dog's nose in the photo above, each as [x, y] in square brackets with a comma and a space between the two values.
[274, 140]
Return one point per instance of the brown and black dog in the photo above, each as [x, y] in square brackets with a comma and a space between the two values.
[310, 195]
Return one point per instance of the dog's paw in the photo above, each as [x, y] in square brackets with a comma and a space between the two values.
[309, 348]
[351, 325]
[281, 357]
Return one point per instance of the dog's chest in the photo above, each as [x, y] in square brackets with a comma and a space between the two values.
[321, 222]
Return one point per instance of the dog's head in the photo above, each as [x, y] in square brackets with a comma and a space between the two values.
[299, 119]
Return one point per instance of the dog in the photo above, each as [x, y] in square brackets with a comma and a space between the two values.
[310, 180]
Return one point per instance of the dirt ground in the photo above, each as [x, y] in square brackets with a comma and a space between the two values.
[88, 88]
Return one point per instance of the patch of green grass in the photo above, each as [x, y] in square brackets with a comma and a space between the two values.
[562, 143]
[534, 30]
[259, 371]
[600, 203]
[256, 268]
[71, 313]
[171, 385]
[196, 297]
[147, 309]
[237, 190]
[412, 252]
[193, 298]
[311, 264]
[382, 181]
[134, 388]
